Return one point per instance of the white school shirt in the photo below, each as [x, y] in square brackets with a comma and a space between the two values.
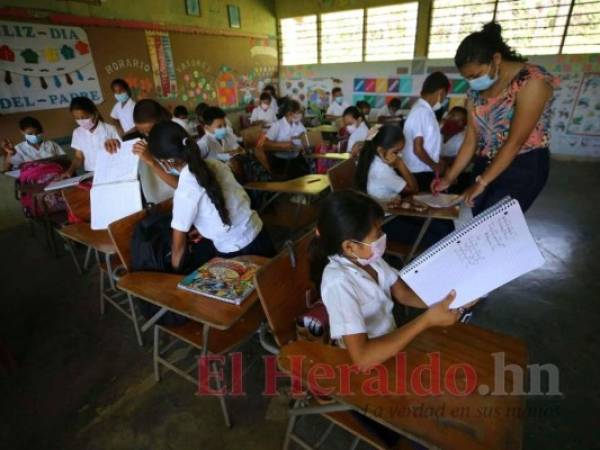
[124, 114]
[421, 122]
[385, 112]
[259, 114]
[212, 148]
[335, 109]
[92, 142]
[359, 135]
[383, 182]
[25, 152]
[282, 131]
[451, 147]
[192, 206]
[355, 302]
[187, 125]
[274, 106]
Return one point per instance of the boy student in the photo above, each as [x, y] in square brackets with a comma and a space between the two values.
[34, 146]
[181, 117]
[337, 106]
[218, 141]
[122, 112]
[263, 114]
[390, 111]
[422, 131]
[365, 108]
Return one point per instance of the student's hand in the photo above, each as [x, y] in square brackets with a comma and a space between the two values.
[471, 193]
[64, 176]
[391, 159]
[440, 314]
[194, 236]
[112, 145]
[8, 147]
[440, 185]
[140, 148]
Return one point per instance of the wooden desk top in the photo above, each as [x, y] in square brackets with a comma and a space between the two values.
[336, 156]
[307, 185]
[161, 290]
[467, 427]
[419, 210]
[97, 239]
[325, 129]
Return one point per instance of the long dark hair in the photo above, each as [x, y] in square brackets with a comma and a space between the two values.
[479, 47]
[169, 140]
[356, 114]
[344, 215]
[148, 110]
[288, 105]
[386, 138]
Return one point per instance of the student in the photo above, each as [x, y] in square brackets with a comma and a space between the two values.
[90, 135]
[218, 141]
[453, 133]
[122, 112]
[34, 146]
[200, 108]
[365, 108]
[422, 130]
[356, 125]
[274, 106]
[337, 106]
[285, 141]
[181, 117]
[207, 197]
[263, 114]
[391, 111]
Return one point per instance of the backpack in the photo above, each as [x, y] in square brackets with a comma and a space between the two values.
[40, 173]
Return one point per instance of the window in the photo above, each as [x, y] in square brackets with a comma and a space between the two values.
[298, 40]
[342, 36]
[391, 32]
[583, 32]
[533, 27]
[453, 20]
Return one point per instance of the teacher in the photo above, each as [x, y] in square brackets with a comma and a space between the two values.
[508, 126]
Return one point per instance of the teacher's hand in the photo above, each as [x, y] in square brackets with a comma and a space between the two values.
[439, 185]
[471, 193]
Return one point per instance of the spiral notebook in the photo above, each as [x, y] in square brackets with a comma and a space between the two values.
[490, 250]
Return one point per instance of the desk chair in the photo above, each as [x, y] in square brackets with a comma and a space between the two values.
[282, 284]
[341, 176]
[78, 203]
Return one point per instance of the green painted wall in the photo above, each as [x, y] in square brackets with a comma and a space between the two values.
[256, 15]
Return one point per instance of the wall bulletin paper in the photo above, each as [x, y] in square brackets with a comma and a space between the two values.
[161, 60]
[44, 66]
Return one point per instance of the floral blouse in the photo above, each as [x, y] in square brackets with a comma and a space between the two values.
[493, 116]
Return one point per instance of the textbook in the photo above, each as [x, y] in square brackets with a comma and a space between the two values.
[228, 280]
[488, 251]
[68, 182]
[13, 173]
[116, 190]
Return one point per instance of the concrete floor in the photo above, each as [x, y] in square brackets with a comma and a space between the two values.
[83, 383]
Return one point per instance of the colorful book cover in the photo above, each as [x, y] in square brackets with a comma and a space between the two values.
[228, 280]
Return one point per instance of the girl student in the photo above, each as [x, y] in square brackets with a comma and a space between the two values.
[263, 114]
[122, 112]
[207, 197]
[382, 173]
[286, 140]
[357, 127]
[90, 135]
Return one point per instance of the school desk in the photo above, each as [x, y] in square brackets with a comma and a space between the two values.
[325, 129]
[450, 213]
[446, 421]
[334, 156]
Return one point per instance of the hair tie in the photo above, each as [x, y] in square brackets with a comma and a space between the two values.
[185, 141]
[373, 132]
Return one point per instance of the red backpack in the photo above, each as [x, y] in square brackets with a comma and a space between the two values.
[40, 173]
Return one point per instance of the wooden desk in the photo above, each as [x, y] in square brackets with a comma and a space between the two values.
[335, 156]
[325, 129]
[306, 185]
[467, 427]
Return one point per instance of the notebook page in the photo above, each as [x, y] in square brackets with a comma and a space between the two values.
[68, 182]
[119, 166]
[110, 202]
[477, 260]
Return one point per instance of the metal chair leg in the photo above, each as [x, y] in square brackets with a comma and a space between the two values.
[290, 428]
[156, 353]
[71, 250]
[221, 397]
[136, 325]
[86, 261]
[102, 301]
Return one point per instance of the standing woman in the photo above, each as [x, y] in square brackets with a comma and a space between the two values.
[508, 127]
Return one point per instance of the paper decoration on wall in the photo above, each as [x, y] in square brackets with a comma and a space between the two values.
[227, 88]
[585, 118]
[44, 66]
[263, 47]
[318, 92]
[459, 86]
[296, 72]
[161, 61]
[141, 86]
[295, 89]
[198, 87]
[251, 85]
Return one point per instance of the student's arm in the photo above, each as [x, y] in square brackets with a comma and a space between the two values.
[412, 187]
[76, 163]
[275, 146]
[423, 155]
[117, 124]
[531, 101]
[140, 148]
[178, 248]
[9, 152]
[404, 295]
[367, 352]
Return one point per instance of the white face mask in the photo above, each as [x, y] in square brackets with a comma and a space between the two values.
[351, 128]
[265, 106]
[86, 124]
[377, 251]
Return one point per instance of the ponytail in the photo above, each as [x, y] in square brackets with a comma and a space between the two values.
[356, 113]
[168, 140]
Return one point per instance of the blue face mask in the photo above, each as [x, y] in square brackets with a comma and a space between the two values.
[220, 133]
[339, 99]
[483, 82]
[173, 171]
[33, 139]
[122, 97]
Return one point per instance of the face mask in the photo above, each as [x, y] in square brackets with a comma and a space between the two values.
[483, 82]
[451, 127]
[377, 251]
[439, 105]
[265, 106]
[297, 118]
[169, 169]
[339, 99]
[220, 133]
[86, 124]
[33, 139]
[351, 128]
[122, 97]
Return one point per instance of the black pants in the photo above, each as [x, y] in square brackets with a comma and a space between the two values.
[287, 169]
[424, 180]
[523, 180]
[260, 246]
[406, 229]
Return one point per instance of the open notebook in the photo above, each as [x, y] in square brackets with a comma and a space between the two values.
[116, 190]
[490, 250]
